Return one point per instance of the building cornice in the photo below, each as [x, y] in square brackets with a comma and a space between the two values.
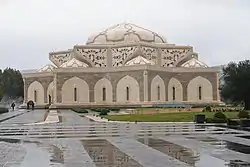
[61, 52]
[37, 74]
[145, 44]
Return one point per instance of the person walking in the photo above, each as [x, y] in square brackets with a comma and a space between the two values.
[13, 106]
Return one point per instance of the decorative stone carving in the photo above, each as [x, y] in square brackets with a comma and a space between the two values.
[97, 56]
[47, 68]
[125, 33]
[73, 63]
[59, 58]
[194, 63]
[170, 56]
[139, 60]
[120, 54]
[150, 53]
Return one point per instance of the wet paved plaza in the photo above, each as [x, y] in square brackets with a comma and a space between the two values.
[79, 142]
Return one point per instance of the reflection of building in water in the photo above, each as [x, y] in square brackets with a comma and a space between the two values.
[123, 65]
[176, 151]
[104, 154]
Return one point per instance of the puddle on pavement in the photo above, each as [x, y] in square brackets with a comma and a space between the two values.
[237, 163]
[176, 151]
[104, 154]
[55, 152]
[245, 137]
[222, 144]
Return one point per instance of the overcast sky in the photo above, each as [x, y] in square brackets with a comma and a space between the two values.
[219, 30]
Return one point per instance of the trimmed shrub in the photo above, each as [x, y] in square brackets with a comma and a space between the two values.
[243, 114]
[220, 115]
[207, 109]
[104, 112]
[209, 120]
[3, 110]
[80, 110]
[219, 120]
[100, 110]
[114, 109]
[232, 122]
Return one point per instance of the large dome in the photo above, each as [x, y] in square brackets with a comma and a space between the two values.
[125, 33]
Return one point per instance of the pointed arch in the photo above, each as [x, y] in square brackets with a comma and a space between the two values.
[103, 91]
[68, 91]
[127, 90]
[200, 89]
[36, 92]
[158, 89]
[175, 90]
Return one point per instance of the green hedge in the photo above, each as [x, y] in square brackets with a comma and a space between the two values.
[3, 110]
[100, 110]
[219, 117]
[243, 114]
[80, 110]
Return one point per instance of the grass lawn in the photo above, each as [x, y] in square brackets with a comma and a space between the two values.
[165, 117]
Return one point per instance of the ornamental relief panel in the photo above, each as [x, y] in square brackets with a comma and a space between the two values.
[170, 56]
[97, 56]
[59, 59]
[120, 54]
[150, 53]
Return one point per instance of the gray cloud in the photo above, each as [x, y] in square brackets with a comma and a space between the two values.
[29, 30]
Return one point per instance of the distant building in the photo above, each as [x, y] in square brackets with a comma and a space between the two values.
[123, 65]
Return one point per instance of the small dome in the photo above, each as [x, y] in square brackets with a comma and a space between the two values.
[47, 68]
[125, 33]
[73, 63]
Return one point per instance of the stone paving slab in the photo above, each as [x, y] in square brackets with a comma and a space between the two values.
[210, 152]
[146, 156]
[60, 144]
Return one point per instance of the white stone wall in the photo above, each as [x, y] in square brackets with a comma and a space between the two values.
[68, 91]
[178, 90]
[83, 92]
[36, 86]
[158, 82]
[98, 91]
[206, 90]
[121, 92]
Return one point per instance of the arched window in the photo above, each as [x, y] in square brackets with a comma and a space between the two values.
[158, 93]
[35, 96]
[173, 93]
[200, 92]
[75, 94]
[127, 93]
[103, 94]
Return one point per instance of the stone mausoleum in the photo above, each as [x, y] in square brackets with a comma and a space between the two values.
[124, 65]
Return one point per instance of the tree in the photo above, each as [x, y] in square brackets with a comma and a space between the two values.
[1, 85]
[12, 82]
[236, 88]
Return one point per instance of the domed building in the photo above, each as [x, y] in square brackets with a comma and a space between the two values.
[124, 65]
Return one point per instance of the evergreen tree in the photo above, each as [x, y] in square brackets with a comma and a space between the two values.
[236, 88]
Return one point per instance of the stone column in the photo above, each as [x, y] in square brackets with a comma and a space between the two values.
[218, 86]
[158, 63]
[55, 88]
[145, 80]
[109, 57]
[25, 98]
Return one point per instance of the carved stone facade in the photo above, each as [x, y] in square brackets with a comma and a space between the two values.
[123, 65]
